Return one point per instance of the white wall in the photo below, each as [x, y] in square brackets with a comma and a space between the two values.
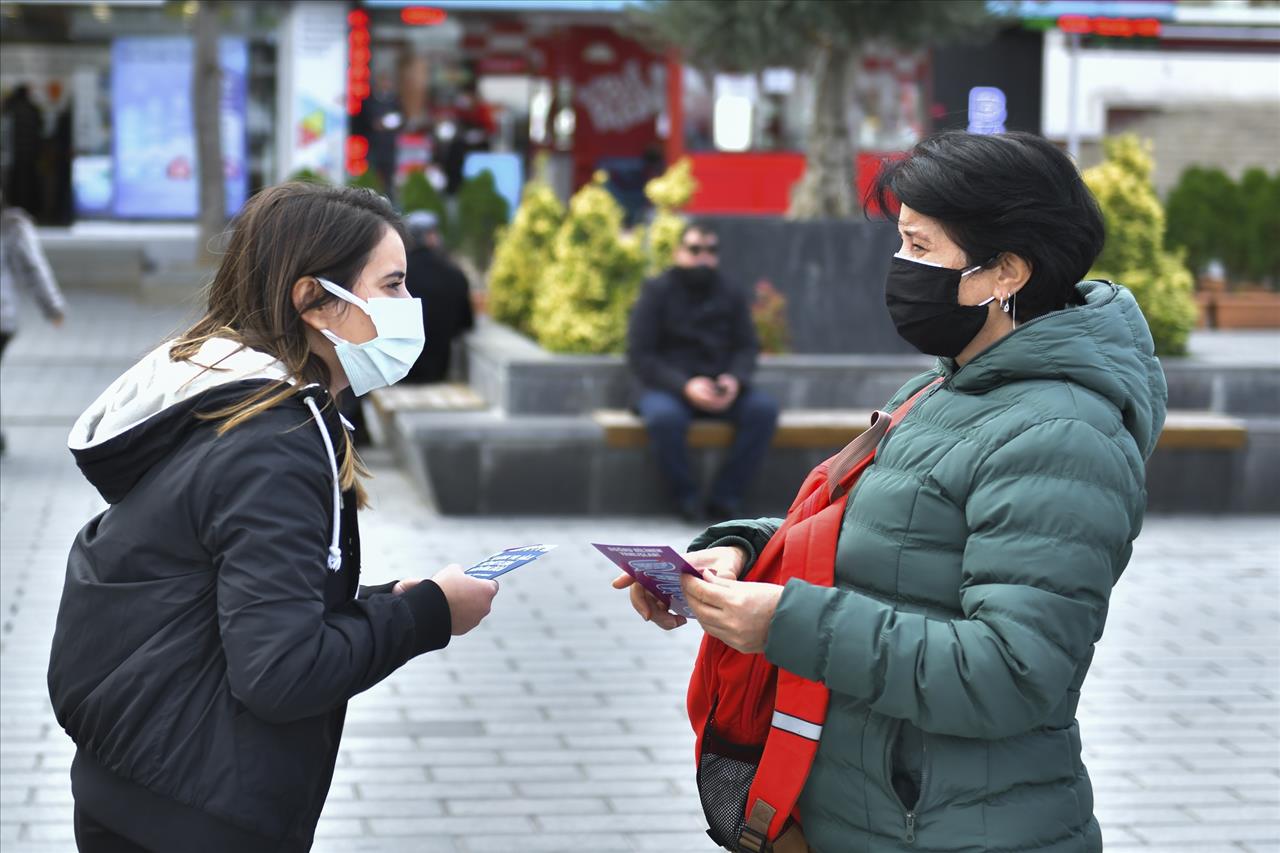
[1150, 79]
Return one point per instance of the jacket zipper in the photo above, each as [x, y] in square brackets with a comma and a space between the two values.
[884, 442]
[909, 815]
[924, 784]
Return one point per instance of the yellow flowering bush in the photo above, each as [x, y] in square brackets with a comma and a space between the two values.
[669, 193]
[522, 254]
[586, 291]
[569, 280]
[1134, 254]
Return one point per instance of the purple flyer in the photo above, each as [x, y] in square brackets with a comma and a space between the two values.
[657, 568]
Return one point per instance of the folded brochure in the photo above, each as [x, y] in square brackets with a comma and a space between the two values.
[508, 560]
[657, 568]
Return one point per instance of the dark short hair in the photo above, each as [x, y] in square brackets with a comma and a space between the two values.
[701, 226]
[1008, 192]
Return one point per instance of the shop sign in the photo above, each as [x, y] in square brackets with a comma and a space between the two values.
[621, 100]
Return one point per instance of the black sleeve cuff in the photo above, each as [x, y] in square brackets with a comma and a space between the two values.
[377, 589]
[738, 542]
[432, 622]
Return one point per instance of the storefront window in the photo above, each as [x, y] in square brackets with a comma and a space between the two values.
[71, 117]
[770, 111]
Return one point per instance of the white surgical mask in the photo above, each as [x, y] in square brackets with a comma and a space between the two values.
[386, 359]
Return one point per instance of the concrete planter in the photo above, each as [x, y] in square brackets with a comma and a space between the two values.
[1246, 310]
[521, 378]
[518, 377]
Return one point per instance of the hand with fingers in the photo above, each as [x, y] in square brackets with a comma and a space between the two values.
[735, 612]
[470, 599]
[724, 562]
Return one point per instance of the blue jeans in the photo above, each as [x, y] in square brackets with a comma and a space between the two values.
[667, 418]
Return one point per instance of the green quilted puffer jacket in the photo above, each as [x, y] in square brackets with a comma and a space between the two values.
[973, 571]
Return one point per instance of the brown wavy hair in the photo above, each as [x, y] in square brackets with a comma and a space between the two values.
[284, 233]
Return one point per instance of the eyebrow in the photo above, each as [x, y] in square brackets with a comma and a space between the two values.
[914, 232]
[395, 274]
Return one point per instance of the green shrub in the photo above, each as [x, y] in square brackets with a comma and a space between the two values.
[1134, 254]
[370, 181]
[1203, 217]
[522, 254]
[417, 193]
[481, 212]
[1258, 218]
[309, 176]
[582, 301]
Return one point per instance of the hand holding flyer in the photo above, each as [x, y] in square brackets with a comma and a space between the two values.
[657, 568]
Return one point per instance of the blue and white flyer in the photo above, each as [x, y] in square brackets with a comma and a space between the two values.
[506, 561]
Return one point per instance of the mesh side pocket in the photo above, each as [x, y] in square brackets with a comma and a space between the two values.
[725, 773]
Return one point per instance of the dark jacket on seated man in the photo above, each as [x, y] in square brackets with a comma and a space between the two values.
[692, 348]
[681, 328]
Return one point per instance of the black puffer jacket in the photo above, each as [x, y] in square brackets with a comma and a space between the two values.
[209, 636]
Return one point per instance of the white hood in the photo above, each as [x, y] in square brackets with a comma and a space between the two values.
[157, 382]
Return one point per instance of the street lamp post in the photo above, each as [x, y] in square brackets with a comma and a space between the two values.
[1073, 89]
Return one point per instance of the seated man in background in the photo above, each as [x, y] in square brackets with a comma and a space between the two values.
[445, 295]
[692, 348]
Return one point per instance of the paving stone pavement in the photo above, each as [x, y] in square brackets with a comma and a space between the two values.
[559, 725]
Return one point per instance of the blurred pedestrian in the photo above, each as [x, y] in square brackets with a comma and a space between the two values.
[26, 136]
[974, 559]
[692, 349]
[23, 265]
[445, 296]
[212, 625]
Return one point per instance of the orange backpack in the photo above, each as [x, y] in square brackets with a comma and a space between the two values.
[757, 726]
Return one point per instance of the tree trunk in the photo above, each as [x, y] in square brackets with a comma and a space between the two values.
[206, 110]
[827, 187]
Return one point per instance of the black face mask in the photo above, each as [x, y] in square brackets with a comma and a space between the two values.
[923, 302]
[699, 276]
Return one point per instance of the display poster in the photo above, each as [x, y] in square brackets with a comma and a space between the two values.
[313, 89]
[153, 132]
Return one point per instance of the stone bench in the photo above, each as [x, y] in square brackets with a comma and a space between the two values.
[824, 428]
[470, 460]
[554, 437]
[434, 397]
[800, 428]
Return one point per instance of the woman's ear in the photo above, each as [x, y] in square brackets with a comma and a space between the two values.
[1012, 273]
[306, 292]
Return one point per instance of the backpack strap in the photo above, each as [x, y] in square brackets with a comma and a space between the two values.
[800, 705]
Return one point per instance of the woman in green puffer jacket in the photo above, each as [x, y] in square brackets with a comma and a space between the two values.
[977, 554]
